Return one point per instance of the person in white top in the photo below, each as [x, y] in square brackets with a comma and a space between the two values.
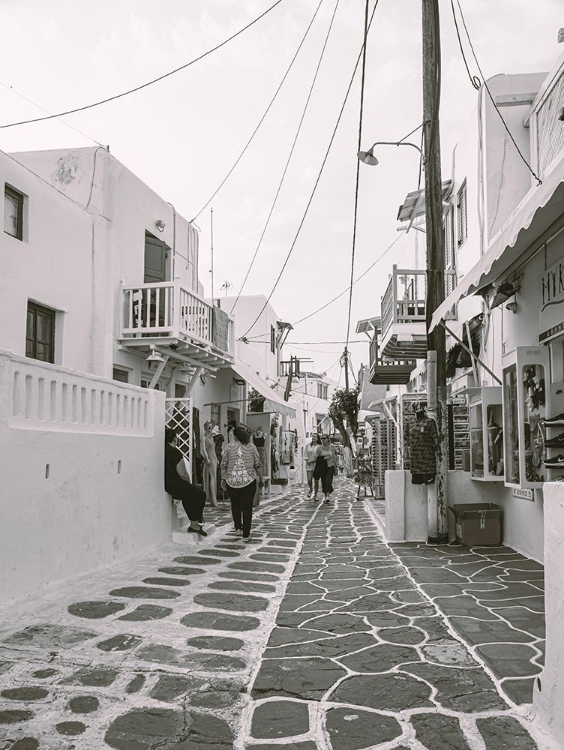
[310, 456]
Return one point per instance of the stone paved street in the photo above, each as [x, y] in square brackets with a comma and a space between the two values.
[317, 635]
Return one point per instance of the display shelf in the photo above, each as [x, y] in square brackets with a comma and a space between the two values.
[556, 398]
[525, 374]
[486, 434]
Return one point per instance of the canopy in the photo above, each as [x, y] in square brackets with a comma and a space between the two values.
[274, 401]
[522, 228]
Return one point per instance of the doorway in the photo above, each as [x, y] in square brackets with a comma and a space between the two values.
[156, 260]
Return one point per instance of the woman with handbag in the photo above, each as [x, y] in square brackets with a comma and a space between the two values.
[325, 466]
[241, 470]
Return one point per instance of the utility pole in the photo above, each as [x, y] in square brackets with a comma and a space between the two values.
[345, 364]
[436, 341]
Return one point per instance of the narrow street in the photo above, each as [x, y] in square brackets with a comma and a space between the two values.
[317, 635]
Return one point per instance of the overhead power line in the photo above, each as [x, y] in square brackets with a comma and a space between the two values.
[289, 155]
[338, 296]
[149, 83]
[315, 185]
[27, 99]
[266, 111]
[475, 79]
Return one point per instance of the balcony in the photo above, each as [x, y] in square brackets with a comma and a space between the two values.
[389, 371]
[168, 315]
[546, 114]
[404, 330]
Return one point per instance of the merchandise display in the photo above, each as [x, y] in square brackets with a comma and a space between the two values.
[486, 434]
[525, 416]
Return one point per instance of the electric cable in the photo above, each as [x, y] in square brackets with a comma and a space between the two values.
[485, 84]
[289, 156]
[27, 99]
[149, 83]
[266, 111]
[370, 267]
[315, 185]
[357, 178]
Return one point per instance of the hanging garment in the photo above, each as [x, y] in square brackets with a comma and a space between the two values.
[423, 447]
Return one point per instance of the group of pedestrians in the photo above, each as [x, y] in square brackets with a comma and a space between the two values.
[242, 477]
[321, 461]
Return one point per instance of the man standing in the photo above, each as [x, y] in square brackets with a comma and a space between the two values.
[178, 484]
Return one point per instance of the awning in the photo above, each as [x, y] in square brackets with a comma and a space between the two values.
[274, 401]
[524, 226]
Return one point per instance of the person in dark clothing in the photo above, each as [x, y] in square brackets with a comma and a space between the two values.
[178, 484]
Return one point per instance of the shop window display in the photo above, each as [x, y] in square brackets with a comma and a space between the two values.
[524, 411]
[486, 434]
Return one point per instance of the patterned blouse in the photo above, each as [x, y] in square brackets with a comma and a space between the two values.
[251, 459]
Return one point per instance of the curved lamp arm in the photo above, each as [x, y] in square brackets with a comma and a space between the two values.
[368, 156]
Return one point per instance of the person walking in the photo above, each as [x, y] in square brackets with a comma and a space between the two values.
[210, 466]
[241, 469]
[310, 457]
[178, 484]
[325, 466]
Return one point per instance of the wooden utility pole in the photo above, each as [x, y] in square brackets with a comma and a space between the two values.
[436, 341]
[346, 361]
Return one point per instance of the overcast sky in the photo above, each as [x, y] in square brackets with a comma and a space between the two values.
[183, 134]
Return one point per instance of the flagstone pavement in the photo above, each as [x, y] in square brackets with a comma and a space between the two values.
[316, 635]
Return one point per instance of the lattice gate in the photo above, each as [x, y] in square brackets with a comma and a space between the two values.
[178, 415]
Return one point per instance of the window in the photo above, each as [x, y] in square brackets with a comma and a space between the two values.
[322, 390]
[273, 339]
[122, 376]
[145, 383]
[462, 214]
[13, 212]
[215, 414]
[450, 261]
[40, 333]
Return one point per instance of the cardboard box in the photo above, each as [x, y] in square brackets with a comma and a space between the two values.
[478, 524]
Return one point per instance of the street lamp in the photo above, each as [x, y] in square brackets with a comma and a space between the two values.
[367, 157]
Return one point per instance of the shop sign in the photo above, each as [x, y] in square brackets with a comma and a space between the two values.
[551, 315]
[524, 494]
[457, 401]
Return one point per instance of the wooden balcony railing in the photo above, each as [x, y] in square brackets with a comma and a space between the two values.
[168, 309]
[404, 300]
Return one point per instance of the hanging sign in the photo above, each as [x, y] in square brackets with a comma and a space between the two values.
[551, 308]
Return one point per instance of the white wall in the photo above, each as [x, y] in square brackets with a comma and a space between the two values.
[257, 352]
[117, 209]
[52, 265]
[406, 510]
[82, 482]
[548, 696]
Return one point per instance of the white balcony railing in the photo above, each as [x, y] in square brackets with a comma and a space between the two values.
[405, 298]
[548, 123]
[168, 309]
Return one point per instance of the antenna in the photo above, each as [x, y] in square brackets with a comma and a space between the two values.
[227, 285]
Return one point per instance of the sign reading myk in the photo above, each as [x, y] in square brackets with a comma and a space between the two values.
[551, 315]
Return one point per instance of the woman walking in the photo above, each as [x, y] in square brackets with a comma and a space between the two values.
[207, 450]
[325, 466]
[241, 469]
[310, 457]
